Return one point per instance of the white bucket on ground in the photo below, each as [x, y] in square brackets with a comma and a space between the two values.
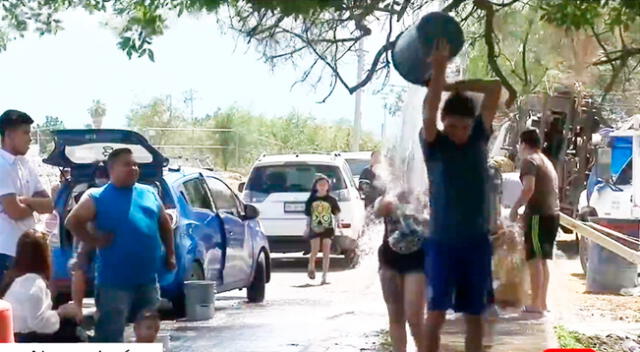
[608, 272]
[199, 300]
[165, 340]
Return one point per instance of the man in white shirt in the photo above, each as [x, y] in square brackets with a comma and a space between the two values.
[21, 192]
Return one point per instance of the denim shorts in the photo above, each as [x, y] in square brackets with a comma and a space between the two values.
[117, 306]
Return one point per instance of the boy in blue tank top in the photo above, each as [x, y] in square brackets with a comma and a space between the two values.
[458, 260]
[132, 228]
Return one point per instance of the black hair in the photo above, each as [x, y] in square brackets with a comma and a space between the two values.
[459, 105]
[148, 315]
[374, 153]
[11, 119]
[319, 178]
[531, 139]
[116, 153]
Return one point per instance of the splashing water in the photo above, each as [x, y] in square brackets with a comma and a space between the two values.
[403, 168]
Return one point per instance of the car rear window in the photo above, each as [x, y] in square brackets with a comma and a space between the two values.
[292, 178]
[96, 152]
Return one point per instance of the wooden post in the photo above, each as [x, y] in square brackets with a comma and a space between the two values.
[606, 242]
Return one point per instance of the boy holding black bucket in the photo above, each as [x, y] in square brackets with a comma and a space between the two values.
[458, 263]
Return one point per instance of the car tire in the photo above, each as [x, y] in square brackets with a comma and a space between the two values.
[583, 242]
[583, 250]
[257, 288]
[195, 273]
[352, 257]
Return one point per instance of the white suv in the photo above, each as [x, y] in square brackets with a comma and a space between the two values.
[357, 161]
[279, 186]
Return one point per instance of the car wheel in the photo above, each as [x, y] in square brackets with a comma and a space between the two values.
[352, 257]
[583, 250]
[195, 273]
[256, 291]
[583, 242]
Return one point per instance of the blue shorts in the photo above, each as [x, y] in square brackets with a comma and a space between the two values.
[458, 276]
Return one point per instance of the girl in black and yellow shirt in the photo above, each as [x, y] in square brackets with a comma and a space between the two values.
[322, 210]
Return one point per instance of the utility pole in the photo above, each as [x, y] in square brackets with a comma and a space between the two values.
[357, 119]
[188, 99]
[169, 100]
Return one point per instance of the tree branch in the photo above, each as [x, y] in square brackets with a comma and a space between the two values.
[289, 53]
[403, 9]
[524, 55]
[513, 67]
[486, 6]
[535, 86]
[601, 44]
[626, 54]
[452, 6]
[372, 70]
[614, 76]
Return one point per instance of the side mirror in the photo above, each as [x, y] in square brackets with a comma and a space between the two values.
[251, 212]
[241, 187]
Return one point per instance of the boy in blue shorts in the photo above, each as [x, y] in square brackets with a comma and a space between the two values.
[458, 260]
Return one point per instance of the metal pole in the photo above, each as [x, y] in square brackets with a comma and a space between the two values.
[237, 149]
[357, 119]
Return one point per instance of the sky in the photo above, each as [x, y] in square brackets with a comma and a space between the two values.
[60, 75]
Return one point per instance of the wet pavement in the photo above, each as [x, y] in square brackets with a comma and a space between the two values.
[348, 314]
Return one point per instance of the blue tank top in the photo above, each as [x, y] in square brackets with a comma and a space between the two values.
[131, 215]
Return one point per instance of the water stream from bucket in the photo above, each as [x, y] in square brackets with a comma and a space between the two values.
[403, 168]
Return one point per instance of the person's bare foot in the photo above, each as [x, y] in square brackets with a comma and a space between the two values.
[311, 273]
[532, 310]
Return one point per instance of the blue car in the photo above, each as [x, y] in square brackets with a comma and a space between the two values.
[217, 237]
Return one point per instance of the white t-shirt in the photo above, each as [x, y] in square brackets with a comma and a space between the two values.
[30, 301]
[19, 178]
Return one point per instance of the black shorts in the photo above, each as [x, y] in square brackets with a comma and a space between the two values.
[540, 235]
[326, 235]
[401, 263]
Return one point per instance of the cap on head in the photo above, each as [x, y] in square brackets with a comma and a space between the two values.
[11, 119]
